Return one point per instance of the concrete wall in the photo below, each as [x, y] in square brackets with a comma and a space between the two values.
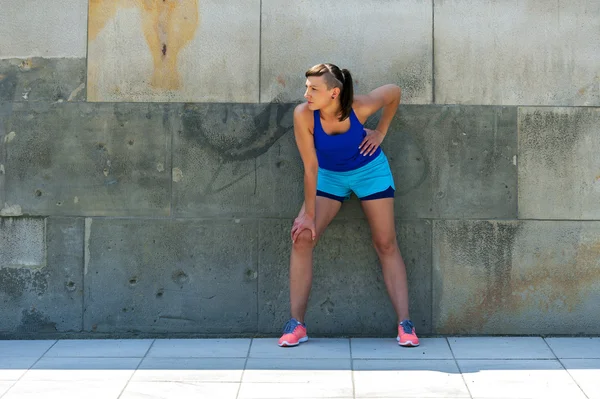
[149, 175]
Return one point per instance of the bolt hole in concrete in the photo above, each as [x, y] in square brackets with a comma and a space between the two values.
[130, 142]
[71, 286]
[133, 281]
[160, 293]
[180, 277]
[38, 193]
[251, 274]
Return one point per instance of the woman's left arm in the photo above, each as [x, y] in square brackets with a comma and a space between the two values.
[386, 97]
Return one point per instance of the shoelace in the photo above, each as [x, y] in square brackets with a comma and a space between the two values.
[290, 326]
[407, 326]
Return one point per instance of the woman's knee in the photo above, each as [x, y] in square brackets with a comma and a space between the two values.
[385, 245]
[304, 241]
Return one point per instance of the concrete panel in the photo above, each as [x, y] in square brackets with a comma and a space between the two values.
[558, 163]
[378, 43]
[453, 162]
[23, 242]
[237, 160]
[516, 277]
[42, 79]
[182, 51]
[516, 52]
[41, 28]
[46, 297]
[86, 159]
[171, 276]
[348, 295]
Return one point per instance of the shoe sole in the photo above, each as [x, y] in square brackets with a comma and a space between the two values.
[287, 344]
[406, 343]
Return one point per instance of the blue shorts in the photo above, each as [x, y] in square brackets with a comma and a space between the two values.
[371, 181]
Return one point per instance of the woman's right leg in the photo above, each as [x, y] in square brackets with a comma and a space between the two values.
[302, 256]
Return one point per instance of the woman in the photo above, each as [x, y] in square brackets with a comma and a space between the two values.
[346, 157]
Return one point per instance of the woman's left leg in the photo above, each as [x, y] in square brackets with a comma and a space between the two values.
[380, 214]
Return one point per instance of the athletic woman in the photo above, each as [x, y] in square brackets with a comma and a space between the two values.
[341, 156]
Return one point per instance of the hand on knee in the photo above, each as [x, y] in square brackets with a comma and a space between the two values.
[304, 241]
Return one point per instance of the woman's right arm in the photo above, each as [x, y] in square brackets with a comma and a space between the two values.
[306, 147]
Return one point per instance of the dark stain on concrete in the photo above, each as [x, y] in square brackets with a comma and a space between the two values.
[42, 79]
[552, 135]
[553, 281]
[18, 282]
[244, 136]
[490, 245]
[34, 321]
[8, 84]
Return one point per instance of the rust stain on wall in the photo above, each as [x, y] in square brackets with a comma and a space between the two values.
[100, 12]
[168, 26]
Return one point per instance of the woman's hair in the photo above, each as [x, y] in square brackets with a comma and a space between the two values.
[336, 77]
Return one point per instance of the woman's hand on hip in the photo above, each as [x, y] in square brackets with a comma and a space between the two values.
[301, 223]
[371, 142]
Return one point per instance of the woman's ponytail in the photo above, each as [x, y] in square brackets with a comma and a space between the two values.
[347, 94]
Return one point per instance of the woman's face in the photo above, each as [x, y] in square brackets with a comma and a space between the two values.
[317, 94]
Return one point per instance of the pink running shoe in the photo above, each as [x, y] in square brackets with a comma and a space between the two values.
[294, 333]
[406, 334]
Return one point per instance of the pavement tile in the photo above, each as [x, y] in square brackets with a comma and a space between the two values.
[543, 379]
[82, 369]
[236, 347]
[500, 348]
[100, 348]
[163, 369]
[575, 348]
[65, 390]
[314, 348]
[12, 368]
[586, 373]
[295, 390]
[404, 379]
[382, 348]
[24, 348]
[311, 371]
[180, 390]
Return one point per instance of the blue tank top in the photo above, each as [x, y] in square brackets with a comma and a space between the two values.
[340, 152]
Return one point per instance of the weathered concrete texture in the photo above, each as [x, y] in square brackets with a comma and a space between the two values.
[348, 296]
[453, 162]
[23, 242]
[89, 159]
[171, 276]
[42, 79]
[516, 277]
[236, 160]
[559, 166]
[187, 50]
[48, 297]
[531, 52]
[41, 28]
[378, 43]
[5, 109]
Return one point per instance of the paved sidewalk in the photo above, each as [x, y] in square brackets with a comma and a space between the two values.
[478, 367]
